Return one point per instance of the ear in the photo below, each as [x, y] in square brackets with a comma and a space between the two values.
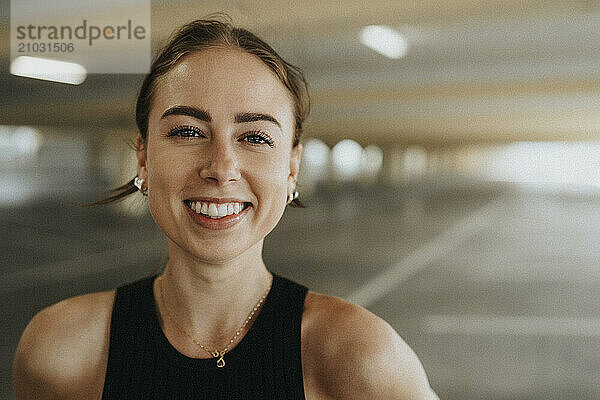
[295, 158]
[140, 152]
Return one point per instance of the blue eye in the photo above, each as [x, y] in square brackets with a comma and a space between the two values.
[257, 138]
[186, 131]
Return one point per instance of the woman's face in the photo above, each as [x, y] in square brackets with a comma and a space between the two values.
[219, 142]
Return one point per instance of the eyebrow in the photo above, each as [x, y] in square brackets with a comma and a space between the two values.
[251, 117]
[191, 111]
[203, 115]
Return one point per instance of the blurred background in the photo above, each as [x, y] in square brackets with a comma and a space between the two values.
[451, 172]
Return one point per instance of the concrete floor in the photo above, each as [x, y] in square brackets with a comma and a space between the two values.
[495, 288]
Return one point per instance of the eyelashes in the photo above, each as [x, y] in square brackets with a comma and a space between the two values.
[263, 138]
[255, 137]
[185, 131]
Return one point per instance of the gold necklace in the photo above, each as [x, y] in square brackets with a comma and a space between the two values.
[215, 353]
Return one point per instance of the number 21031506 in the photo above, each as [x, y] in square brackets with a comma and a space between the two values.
[45, 47]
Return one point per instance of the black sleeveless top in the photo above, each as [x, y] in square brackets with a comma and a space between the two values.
[266, 363]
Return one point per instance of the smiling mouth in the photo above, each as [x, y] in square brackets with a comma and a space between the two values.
[216, 210]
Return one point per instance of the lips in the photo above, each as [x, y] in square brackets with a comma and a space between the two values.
[218, 221]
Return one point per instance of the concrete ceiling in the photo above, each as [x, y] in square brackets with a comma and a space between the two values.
[476, 71]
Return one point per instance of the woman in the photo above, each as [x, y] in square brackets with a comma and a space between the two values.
[220, 117]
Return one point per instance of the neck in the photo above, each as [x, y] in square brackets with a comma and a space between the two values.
[211, 300]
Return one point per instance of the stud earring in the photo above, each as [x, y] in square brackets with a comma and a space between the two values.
[292, 197]
[138, 182]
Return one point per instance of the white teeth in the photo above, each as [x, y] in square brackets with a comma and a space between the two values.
[216, 210]
[212, 210]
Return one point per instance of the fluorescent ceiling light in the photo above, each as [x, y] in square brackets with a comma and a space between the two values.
[384, 40]
[48, 70]
[17, 142]
[346, 157]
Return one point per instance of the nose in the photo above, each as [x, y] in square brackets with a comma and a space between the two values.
[220, 164]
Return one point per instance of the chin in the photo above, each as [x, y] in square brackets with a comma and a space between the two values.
[216, 257]
[218, 253]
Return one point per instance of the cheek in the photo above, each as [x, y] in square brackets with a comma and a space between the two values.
[272, 179]
[268, 181]
[275, 187]
[160, 173]
[166, 172]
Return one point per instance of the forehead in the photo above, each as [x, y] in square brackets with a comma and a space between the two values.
[224, 81]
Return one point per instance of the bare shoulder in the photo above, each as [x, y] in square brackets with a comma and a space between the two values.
[350, 353]
[63, 351]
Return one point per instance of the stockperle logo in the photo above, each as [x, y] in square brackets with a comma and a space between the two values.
[83, 31]
[50, 37]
